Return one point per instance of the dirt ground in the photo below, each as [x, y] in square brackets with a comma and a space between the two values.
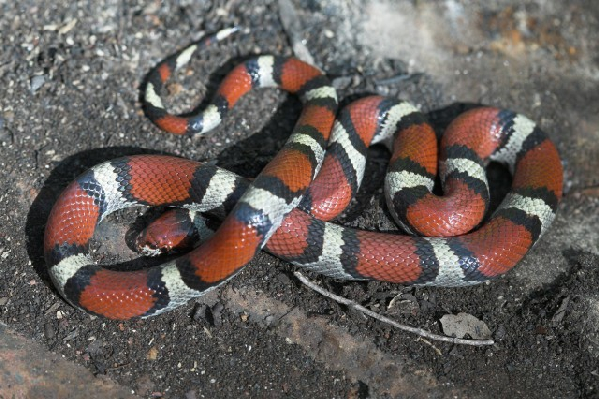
[70, 74]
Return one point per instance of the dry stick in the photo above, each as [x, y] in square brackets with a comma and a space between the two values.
[414, 330]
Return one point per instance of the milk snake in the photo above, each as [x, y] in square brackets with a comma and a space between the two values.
[287, 208]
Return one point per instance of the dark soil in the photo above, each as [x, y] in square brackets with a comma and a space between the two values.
[70, 78]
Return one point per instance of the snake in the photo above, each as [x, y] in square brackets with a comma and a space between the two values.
[288, 208]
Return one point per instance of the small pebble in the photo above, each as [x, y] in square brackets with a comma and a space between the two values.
[36, 82]
[199, 312]
[342, 82]
[95, 347]
[49, 332]
[283, 278]
[217, 314]
[500, 332]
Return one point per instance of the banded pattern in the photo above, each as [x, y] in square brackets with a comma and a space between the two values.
[273, 212]
[251, 221]
[306, 240]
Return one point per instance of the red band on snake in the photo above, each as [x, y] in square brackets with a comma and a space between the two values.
[287, 208]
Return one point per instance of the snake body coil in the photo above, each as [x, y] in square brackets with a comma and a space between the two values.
[287, 208]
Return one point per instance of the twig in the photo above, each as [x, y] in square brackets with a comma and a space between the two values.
[397, 78]
[429, 343]
[414, 330]
[290, 21]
